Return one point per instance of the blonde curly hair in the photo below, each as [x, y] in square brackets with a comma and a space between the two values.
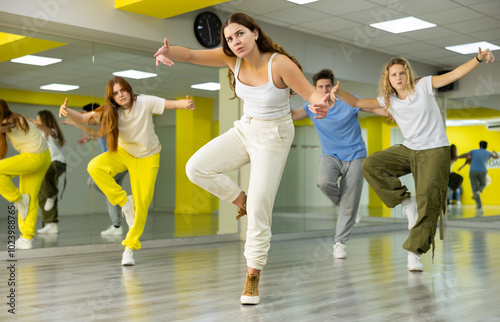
[385, 87]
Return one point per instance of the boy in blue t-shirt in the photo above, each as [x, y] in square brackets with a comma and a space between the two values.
[479, 159]
[343, 153]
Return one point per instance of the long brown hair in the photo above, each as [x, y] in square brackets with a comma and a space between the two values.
[48, 119]
[11, 120]
[385, 87]
[264, 42]
[109, 112]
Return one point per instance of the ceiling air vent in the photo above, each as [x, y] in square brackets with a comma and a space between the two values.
[493, 126]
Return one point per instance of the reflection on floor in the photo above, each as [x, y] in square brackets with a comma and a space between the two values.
[302, 282]
[86, 229]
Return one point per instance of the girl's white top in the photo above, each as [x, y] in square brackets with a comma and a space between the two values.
[31, 142]
[136, 130]
[55, 149]
[263, 102]
[418, 117]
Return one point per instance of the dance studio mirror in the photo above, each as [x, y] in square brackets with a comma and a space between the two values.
[300, 206]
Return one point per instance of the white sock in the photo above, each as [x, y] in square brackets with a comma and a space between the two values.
[406, 201]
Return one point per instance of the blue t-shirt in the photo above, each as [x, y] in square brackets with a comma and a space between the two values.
[103, 143]
[479, 160]
[339, 132]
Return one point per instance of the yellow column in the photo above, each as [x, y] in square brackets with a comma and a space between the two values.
[193, 130]
[379, 138]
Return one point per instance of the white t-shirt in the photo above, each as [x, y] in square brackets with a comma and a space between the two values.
[419, 117]
[55, 149]
[136, 129]
[31, 142]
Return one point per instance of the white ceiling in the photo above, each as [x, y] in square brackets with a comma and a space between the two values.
[459, 21]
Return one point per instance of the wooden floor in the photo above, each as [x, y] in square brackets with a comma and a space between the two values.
[302, 282]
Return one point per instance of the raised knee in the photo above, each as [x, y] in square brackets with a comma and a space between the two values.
[192, 170]
[91, 167]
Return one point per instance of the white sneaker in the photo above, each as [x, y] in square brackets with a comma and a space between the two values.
[24, 243]
[23, 205]
[339, 250]
[128, 211]
[411, 212]
[49, 204]
[414, 264]
[358, 218]
[128, 257]
[112, 231]
[50, 228]
[479, 211]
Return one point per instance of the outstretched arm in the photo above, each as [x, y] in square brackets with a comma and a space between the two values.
[495, 155]
[75, 116]
[298, 114]
[168, 54]
[290, 75]
[464, 156]
[462, 70]
[187, 104]
[362, 103]
[90, 130]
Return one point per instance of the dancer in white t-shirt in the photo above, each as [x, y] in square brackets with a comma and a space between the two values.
[425, 153]
[126, 120]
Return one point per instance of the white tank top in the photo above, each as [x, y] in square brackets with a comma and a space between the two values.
[265, 101]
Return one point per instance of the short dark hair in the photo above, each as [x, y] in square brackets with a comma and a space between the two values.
[483, 144]
[90, 107]
[323, 74]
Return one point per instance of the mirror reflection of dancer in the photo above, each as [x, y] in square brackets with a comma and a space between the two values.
[126, 120]
[425, 153]
[47, 198]
[261, 73]
[114, 211]
[478, 172]
[30, 165]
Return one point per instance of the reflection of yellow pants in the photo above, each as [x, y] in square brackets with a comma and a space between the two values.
[142, 171]
[31, 169]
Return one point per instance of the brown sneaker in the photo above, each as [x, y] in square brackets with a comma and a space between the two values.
[242, 211]
[251, 291]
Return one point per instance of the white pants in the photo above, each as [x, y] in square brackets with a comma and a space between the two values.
[263, 143]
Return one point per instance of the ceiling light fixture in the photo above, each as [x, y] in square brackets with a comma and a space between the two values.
[59, 87]
[210, 86]
[135, 74]
[398, 26]
[472, 47]
[35, 60]
[470, 122]
[302, 1]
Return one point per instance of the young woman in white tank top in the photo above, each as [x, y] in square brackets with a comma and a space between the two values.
[262, 75]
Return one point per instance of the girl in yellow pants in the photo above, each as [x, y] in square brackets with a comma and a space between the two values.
[126, 120]
[142, 171]
[30, 165]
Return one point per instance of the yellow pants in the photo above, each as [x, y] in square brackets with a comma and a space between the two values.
[31, 169]
[142, 171]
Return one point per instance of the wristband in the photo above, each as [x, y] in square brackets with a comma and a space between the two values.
[480, 61]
